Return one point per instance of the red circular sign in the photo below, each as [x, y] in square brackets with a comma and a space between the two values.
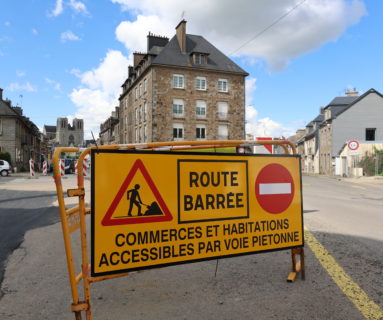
[274, 188]
[353, 145]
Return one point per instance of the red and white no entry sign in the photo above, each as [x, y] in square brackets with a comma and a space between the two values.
[274, 188]
[353, 145]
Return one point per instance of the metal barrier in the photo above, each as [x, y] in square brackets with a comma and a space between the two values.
[75, 218]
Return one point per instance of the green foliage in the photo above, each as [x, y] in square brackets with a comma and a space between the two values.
[370, 162]
[5, 156]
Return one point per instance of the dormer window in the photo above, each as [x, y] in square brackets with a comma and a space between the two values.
[200, 58]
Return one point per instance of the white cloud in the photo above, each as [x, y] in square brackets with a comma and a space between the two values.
[21, 73]
[78, 7]
[15, 86]
[250, 90]
[305, 29]
[54, 84]
[265, 127]
[133, 34]
[101, 87]
[58, 9]
[69, 36]
[35, 32]
[7, 23]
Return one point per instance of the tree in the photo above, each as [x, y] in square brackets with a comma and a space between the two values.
[5, 156]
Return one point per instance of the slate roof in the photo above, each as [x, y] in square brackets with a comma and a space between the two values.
[342, 101]
[171, 55]
[50, 128]
[358, 99]
[319, 118]
[6, 109]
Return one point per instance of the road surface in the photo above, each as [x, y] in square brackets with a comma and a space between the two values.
[343, 254]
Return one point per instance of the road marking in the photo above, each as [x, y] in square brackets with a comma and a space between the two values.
[275, 188]
[368, 308]
[358, 187]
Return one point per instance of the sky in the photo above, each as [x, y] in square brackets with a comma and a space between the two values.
[69, 58]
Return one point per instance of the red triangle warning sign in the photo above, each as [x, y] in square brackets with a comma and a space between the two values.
[156, 211]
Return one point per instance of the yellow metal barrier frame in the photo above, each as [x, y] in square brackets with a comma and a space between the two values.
[75, 218]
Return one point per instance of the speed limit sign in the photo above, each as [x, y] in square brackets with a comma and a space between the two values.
[353, 145]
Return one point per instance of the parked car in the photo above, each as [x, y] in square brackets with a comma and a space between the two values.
[69, 165]
[5, 168]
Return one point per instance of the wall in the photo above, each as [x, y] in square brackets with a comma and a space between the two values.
[352, 124]
[163, 95]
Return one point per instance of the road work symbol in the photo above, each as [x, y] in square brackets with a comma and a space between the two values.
[138, 195]
[274, 188]
[134, 198]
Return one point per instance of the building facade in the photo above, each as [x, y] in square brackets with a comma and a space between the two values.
[110, 129]
[182, 89]
[350, 117]
[64, 134]
[18, 135]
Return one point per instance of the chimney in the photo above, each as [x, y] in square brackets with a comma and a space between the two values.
[130, 71]
[137, 57]
[321, 110]
[1, 94]
[350, 93]
[156, 41]
[181, 35]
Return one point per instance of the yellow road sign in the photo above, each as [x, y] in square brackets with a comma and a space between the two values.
[151, 209]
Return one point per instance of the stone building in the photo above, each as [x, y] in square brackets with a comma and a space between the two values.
[182, 89]
[64, 134]
[18, 135]
[110, 129]
[345, 118]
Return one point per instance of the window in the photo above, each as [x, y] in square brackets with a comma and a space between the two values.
[178, 108]
[370, 134]
[136, 115]
[201, 132]
[145, 85]
[201, 109]
[223, 108]
[178, 81]
[200, 83]
[137, 135]
[140, 89]
[145, 111]
[136, 93]
[222, 132]
[222, 85]
[199, 58]
[1, 127]
[178, 131]
[145, 133]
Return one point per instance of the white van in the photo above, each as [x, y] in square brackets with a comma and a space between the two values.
[5, 168]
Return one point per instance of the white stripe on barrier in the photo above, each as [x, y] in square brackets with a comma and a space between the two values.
[275, 188]
[45, 168]
[62, 167]
[31, 168]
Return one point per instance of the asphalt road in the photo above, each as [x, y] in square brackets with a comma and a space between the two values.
[20, 211]
[346, 218]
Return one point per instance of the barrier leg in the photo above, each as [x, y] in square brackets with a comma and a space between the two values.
[297, 266]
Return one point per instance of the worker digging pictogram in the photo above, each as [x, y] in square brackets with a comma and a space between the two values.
[137, 201]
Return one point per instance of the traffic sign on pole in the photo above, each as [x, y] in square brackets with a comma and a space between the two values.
[353, 147]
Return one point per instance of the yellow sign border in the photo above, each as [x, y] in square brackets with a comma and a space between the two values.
[191, 154]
